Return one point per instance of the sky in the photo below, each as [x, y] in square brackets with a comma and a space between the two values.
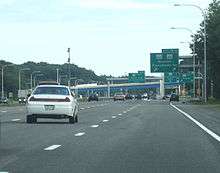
[111, 37]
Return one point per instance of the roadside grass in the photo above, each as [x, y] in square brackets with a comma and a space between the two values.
[210, 102]
[11, 104]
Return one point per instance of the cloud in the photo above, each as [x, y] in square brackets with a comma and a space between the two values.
[4, 3]
[120, 4]
[202, 3]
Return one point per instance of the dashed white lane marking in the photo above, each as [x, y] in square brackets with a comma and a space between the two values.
[79, 134]
[119, 114]
[124, 112]
[3, 111]
[114, 117]
[82, 108]
[211, 133]
[4, 172]
[52, 147]
[104, 121]
[88, 107]
[94, 126]
[15, 120]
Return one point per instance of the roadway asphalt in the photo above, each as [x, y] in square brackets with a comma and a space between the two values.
[120, 137]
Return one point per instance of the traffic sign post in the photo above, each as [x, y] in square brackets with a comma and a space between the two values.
[136, 77]
[171, 77]
[167, 61]
[186, 77]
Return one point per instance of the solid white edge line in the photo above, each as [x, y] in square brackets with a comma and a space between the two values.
[4, 172]
[211, 133]
[52, 147]
[79, 134]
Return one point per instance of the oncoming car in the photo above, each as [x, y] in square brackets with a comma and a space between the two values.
[52, 101]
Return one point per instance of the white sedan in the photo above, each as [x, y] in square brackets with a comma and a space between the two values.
[52, 101]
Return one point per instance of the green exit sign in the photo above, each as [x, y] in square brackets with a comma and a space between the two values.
[136, 77]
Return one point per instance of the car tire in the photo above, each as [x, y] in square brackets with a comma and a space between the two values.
[29, 119]
[76, 119]
[72, 120]
[34, 119]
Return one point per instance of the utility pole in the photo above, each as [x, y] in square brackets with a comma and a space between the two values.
[205, 48]
[2, 82]
[57, 75]
[4, 66]
[19, 77]
[69, 74]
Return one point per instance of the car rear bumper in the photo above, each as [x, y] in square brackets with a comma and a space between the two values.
[59, 110]
[119, 98]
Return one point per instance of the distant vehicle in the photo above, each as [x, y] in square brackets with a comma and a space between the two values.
[52, 101]
[167, 96]
[145, 96]
[138, 97]
[93, 97]
[128, 97]
[4, 100]
[22, 100]
[119, 96]
[174, 97]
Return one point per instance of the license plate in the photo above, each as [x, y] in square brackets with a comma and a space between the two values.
[49, 107]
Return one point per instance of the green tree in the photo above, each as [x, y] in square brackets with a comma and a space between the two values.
[213, 46]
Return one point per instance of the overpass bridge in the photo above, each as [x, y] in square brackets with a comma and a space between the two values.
[109, 88]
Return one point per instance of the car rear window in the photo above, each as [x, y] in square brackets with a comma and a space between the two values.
[52, 90]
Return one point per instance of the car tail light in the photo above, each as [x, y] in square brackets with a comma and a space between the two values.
[49, 99]
[67, 99]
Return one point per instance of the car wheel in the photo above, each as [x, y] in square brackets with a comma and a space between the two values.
[76, 118]
[72, 120]
[29, 119]
[34, 119]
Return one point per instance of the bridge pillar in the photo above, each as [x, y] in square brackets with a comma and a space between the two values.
[162, 88]
[108, 89]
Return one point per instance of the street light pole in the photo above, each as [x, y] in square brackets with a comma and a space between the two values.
[19, 77]
[194, 56]
[194, 68]
[36, 77]
[32, 78]
[205, 47]
[2, 82]
[57, 75]
[3, 78]
[69, 67]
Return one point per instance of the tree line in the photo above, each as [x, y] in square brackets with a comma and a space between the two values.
[213, 47]
[45, 71]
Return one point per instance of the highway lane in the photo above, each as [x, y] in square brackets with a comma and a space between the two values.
[209, 115]
[17, 137]
[137, 136]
